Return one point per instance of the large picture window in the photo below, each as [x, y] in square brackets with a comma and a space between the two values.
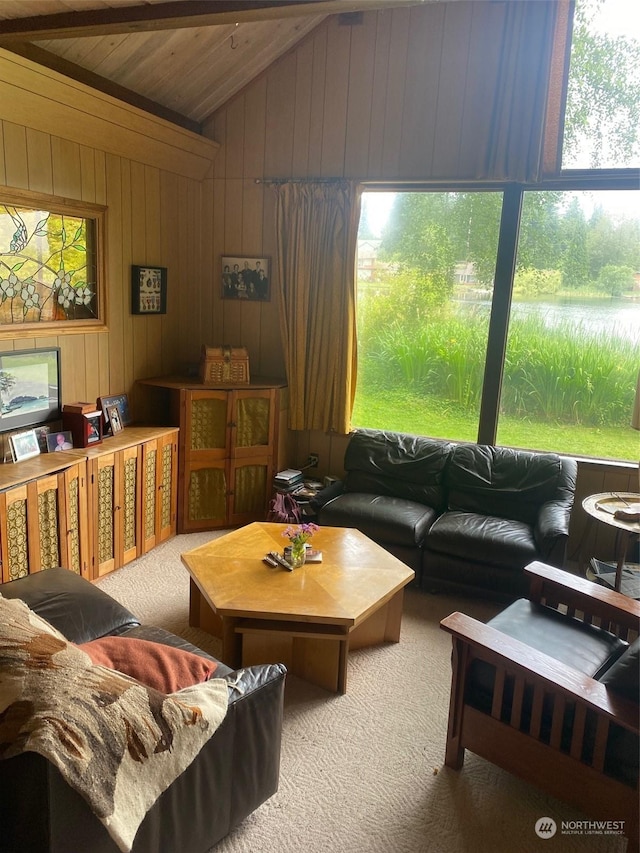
[50, 263]
[510, 313]
[428, 337]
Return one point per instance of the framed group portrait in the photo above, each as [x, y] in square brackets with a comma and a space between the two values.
[148, 290]
[246, 278]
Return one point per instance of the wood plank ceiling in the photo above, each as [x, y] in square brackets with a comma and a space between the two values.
[181, 60]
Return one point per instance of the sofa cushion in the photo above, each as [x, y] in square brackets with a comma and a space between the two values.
[381, 518]
[501, 481]
[160, 666]
[397, 465]
[483, 539]
[160, 635]
[586, 648]
[624, 676]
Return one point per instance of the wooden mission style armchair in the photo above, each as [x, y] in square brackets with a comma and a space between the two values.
[548, 690]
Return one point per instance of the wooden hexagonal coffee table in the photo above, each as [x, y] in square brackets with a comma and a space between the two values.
[308, 619]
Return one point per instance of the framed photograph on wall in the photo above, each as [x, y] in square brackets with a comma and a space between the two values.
[148, 290]
[246, 278]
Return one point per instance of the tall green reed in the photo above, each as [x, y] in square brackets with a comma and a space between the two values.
[565, 374]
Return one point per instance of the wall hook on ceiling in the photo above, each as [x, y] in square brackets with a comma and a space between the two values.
[233, 46]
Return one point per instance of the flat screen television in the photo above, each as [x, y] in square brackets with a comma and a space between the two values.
[30, 391]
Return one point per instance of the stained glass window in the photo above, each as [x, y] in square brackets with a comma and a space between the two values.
[49, 264]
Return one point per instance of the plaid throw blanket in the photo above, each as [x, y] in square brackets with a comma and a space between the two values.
[117, 742]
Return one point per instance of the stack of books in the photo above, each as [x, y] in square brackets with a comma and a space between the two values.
[287, 481]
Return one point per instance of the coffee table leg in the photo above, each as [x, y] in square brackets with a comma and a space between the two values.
[343, 658]
[231, 643]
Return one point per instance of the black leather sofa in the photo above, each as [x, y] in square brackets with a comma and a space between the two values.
[236, 770]
[464, 517]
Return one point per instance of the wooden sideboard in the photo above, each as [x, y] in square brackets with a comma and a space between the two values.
[228, 449]
[90, 510]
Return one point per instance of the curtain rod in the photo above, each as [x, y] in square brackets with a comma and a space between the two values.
[299, 180]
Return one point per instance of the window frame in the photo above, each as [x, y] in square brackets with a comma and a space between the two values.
[95, 213]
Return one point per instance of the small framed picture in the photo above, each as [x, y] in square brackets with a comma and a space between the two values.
[119, 400]
[113, 413]
[41, 434]
[148, 290]
[59, 441]
[94, 428]
[246, 278]
[24, 445]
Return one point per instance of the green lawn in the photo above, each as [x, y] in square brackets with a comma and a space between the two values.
[434, 417]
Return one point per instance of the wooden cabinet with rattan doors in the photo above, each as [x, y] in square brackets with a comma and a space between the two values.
[43, 516]
[132, 495]
[226, 458]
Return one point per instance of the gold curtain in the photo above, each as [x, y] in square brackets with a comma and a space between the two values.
[317, 224]
[533, 46]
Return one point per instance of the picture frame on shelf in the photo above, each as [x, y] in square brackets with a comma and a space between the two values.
[24, 445]
[246, 278]
[148, 290]
[119, 400]
[59, 440]
[41, 434]
[115, 421]
[94, 428]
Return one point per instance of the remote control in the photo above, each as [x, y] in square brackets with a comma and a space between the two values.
[268, 559]
[280, 560]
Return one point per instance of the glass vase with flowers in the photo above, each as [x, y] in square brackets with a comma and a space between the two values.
[298, 536]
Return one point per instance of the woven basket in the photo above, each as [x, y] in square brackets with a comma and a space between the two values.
[224, 364]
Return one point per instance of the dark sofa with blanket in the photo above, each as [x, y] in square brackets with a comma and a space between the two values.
[465, 517]
[235, 771]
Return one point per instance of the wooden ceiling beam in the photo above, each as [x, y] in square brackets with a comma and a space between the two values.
[175, 15]
[82, 75]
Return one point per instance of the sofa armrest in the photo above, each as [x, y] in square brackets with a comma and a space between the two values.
[73, 605]
[235, 771]
[551, 530]
[327, 494]
[517, 659]
[555, 587]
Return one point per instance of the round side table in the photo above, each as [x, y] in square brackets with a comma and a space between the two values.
[602, 508]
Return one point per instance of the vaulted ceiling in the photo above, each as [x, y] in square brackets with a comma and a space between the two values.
[181, 59]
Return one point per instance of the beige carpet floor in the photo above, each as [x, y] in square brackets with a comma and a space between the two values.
[364, 772]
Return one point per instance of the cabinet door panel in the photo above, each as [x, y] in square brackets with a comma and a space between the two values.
[252, 423]
[206, 497]
[14, 533]
[167, 480]
[207, 422]
[104, 527]
[149, 495]
[74, 520]
[129, 546]
[44, 522]
[250, 490]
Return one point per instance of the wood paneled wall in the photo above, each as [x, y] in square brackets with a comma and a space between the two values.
[154, 201]
[380, 100]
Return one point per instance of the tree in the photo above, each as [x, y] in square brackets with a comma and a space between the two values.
[615, 280]
[574, 260]
[602, 118]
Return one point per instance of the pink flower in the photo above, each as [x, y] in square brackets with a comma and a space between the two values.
[301, 533]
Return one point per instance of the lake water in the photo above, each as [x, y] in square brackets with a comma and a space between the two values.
[616, 317]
